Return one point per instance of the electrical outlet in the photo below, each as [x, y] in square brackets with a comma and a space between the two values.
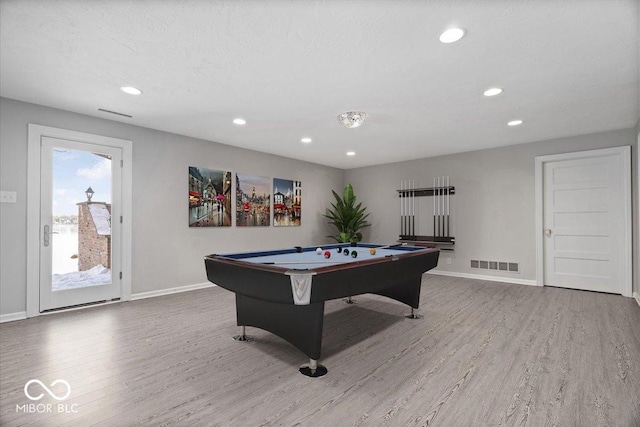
[448, 261]
[8, 197]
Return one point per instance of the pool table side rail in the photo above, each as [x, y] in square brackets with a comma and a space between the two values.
[320, 269]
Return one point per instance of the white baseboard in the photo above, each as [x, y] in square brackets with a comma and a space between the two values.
[637, 297]
[482, 277]
[13, 316]
[160, 292]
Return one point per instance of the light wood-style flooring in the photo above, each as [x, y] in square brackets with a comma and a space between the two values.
[485, 354]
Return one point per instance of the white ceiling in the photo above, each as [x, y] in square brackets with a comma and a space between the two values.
[568, 67]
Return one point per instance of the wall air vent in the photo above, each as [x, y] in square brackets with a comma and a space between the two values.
[511, 267]
[116, 113]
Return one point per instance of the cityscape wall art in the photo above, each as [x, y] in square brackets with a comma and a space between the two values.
[253, 201]
[209, 197]
[287, 202]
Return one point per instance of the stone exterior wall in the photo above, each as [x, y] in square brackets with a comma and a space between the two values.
[93, 249]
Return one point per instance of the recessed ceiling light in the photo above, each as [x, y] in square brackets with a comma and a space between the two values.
[239, 121]
[131, 90]
[351, 153]
[493, 91]
[514, 123]
[306, 140]
[452, 35]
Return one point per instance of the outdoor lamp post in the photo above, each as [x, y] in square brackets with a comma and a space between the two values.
[89, 194]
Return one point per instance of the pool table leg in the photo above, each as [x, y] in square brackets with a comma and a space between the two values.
[313, 369]
[243, 336]
[414, 315]
[301, 325]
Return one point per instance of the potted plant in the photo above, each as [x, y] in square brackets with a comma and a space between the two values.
[347, 217]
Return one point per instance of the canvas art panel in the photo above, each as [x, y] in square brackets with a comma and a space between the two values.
[209, 197]
[287, 202]
[253, 200]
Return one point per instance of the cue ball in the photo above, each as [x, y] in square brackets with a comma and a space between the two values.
[339, 250]
[346, 252]
[354, 254]
[372, 251]
[327, 254]
[319, 251]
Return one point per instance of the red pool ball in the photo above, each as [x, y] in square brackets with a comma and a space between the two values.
[327, 254]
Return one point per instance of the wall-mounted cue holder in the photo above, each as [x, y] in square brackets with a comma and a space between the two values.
[441, 192]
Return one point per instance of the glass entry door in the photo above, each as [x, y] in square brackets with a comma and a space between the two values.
[80, 223]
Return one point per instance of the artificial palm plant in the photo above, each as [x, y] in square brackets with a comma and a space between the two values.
[347, 217]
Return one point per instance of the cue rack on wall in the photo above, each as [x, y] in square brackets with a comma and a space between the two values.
[441, 192]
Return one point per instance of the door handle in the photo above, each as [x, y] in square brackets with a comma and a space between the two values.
[547, 232]
[46, 240]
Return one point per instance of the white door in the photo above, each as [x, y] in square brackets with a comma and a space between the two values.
[80, 211]
[585, 222]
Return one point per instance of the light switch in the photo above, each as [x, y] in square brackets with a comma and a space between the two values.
[8, 197]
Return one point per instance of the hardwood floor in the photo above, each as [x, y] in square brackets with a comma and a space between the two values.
[485, 354]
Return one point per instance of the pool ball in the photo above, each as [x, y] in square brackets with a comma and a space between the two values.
[339, 250]
[354, 254]
[372, 251]
[327, 254]
[346, 252]
[319, 251]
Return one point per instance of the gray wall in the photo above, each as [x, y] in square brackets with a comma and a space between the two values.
[636, 217]
[166, 252]
[492, 212]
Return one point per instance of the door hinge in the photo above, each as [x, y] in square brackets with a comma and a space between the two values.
[121, 163]
[121, 275]
[120, 219]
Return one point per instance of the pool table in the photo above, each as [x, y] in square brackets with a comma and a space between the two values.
[283, 291]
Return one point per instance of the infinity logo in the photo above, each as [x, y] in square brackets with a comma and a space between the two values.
[52, 394]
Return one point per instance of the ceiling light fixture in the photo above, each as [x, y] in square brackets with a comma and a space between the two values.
[352, 119]
[351, 153]
[306, 140]
[514, 123]
[131, 90]
[493, 91]
[239, 121]
[452, 35]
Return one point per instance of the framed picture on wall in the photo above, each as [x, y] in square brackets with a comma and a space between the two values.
[287, 202]
[209, 197]
[253, 201]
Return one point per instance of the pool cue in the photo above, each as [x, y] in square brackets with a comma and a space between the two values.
[434, 206]
[443, 204]
[448, 205]
[438, 201]
[401, 206]
[406, 207]
[442, 200]
[404, 202]
[413, 208]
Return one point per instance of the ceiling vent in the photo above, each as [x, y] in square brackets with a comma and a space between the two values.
[114, 112]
